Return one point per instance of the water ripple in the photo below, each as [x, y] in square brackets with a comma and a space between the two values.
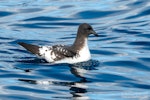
[140, 43]
[129, 64]
[144, 12]
[19, 88]
[19, 97]
[96, 14]
[4, 13]
[45, 18]
[126, 31]
[135, 85]
[30, 10]
[120, 69]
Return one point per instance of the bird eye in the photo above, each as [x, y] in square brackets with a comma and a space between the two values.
[89, 28]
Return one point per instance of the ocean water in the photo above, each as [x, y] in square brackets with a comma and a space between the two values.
[120, 64]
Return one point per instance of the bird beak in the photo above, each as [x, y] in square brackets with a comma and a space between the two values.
[93, 32]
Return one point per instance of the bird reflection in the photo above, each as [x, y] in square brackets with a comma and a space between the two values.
[78, 89]
[79, 70]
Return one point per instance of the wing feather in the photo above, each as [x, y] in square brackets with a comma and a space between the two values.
[63, 52]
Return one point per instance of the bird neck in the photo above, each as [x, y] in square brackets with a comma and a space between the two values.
[79, 42]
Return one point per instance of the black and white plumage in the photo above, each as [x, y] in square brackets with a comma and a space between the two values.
[78, 52]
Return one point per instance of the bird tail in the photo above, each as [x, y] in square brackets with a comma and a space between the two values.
[32, 48]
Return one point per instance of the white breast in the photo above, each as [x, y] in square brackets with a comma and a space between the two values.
[84, 53]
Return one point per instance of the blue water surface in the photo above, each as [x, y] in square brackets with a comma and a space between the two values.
[120, 65]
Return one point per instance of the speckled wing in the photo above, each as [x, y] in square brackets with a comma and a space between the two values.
[62, 52]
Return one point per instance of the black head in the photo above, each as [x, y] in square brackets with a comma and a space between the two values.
[86, 29]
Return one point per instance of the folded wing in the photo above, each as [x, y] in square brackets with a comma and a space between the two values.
[62, 52]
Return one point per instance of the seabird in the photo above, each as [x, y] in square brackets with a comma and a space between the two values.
[77, 52]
